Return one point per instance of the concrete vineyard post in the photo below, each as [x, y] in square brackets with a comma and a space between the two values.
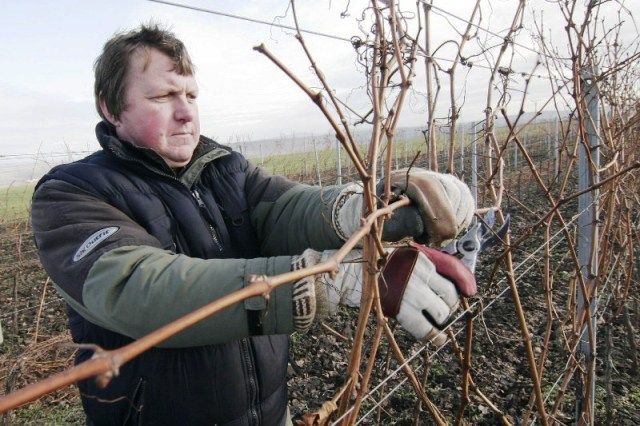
[587, 239]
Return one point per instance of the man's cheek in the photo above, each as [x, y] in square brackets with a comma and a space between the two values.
[153, 132]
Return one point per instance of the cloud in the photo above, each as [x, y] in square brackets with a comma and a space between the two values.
[32, 119]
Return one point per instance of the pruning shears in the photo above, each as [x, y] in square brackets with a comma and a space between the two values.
[479, 237]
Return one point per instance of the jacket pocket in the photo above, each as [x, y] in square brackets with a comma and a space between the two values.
[244, 235]
[136, 407]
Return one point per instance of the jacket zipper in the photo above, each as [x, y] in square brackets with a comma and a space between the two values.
[204, 212]
[253, 383]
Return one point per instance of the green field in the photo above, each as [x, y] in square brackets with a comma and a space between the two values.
[306, 165]
[15, 202]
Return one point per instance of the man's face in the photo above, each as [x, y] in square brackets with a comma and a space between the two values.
[160, 110]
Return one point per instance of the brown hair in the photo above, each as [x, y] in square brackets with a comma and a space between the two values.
[112, 66]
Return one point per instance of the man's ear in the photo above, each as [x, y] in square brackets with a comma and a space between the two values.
[105, 111]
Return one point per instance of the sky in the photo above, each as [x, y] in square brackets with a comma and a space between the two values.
[46, 100]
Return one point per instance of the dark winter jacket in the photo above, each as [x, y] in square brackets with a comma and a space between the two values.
[131, 245]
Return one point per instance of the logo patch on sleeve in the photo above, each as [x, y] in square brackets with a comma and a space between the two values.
[92, 242]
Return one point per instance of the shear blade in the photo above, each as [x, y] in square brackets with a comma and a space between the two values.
[490, 238]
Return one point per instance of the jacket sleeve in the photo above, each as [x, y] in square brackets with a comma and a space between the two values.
[291, 217]
[116, 275]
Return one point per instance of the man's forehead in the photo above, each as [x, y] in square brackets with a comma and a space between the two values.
[143, 58]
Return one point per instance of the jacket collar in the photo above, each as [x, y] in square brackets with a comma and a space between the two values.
[206, 151]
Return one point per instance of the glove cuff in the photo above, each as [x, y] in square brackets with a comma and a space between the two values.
[305, 298]
[347, 211]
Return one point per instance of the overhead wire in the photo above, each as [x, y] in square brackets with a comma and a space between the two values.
[312, 32]
[248, 19]
[461, 19]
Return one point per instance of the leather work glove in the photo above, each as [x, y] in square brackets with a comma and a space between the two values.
[419, 286]
[441, 207]
[443, 202]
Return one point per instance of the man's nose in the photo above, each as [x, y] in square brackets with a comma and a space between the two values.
[184, 109]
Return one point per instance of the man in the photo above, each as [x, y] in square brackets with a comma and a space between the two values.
[163, 220]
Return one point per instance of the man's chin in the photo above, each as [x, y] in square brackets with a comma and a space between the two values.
[177, 163]
[179, 157]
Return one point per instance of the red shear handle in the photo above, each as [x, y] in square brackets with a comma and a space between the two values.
[452, 268]
[394, 278]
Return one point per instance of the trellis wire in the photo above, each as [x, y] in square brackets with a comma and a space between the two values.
[464, 312]
[321, 34]
[459, 18]
[434, 353]
[555, 384]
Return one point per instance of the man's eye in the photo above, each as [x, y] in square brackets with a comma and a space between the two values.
[192, 96]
